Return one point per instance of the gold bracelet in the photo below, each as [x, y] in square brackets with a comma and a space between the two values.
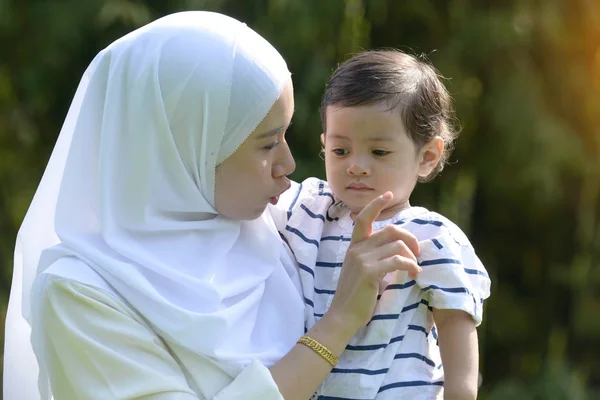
[319, 349]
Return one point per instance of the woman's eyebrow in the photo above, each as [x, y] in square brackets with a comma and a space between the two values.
[270, 133]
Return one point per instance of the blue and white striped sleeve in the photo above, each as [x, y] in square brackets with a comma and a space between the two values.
[310, 197]
[281, 212]
[453, 277]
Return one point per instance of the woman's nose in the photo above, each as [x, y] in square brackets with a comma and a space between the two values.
[285, 162]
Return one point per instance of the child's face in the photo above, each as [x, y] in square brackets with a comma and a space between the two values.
[368, 152]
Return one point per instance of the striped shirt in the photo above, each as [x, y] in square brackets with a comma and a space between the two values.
[396, 355]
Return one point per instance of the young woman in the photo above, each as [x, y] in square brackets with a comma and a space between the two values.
[146, 266]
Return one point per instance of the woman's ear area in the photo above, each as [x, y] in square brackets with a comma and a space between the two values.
[430, 156]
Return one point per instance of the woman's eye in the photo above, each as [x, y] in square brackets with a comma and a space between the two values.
[380, 153]
[271, 146]
[339, 152]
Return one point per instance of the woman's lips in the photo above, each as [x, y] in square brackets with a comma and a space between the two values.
[273, 200]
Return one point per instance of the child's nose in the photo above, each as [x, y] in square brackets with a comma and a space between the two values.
[356, 169]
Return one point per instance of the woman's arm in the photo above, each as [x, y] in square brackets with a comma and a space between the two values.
[369, 258]
[94, 347]
[300, 372]
[457, 335]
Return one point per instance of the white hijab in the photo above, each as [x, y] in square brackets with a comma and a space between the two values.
[129, 190]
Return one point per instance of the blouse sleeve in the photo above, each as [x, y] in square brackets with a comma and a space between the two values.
[95, 347]
[254, 382]
[453, 277]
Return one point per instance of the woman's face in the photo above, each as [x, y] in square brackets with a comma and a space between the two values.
[256, 173]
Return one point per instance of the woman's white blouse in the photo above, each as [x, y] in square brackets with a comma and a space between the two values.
[97, 347]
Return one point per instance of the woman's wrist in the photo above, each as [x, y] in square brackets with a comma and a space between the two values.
[300, 372]
[334, 331]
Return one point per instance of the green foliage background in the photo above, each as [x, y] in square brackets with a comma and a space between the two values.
[525, 179]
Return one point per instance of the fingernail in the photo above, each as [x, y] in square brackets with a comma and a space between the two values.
[387, 195]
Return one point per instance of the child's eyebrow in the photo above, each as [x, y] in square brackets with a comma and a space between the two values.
[334, 136]
[381, 139]
[371, 139]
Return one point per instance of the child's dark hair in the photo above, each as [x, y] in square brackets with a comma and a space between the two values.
[399, 81]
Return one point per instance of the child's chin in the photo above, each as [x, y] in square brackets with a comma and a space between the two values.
[355, 208]
[357, 204]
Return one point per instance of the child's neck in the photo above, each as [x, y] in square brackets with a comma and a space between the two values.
[388, 212]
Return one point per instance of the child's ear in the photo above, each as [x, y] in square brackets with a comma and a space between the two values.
[430, 156]
[322, 152]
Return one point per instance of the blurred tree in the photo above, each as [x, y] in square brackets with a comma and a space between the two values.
[525, 179]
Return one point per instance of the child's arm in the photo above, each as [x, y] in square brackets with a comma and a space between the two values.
[457, 335]
[457, 285]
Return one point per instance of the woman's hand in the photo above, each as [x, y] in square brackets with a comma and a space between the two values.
[369, 258]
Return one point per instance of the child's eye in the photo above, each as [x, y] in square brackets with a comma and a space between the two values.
[380, 153]
[271, 146]
[340, 152]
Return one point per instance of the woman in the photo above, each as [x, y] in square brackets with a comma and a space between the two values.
[157, 273]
